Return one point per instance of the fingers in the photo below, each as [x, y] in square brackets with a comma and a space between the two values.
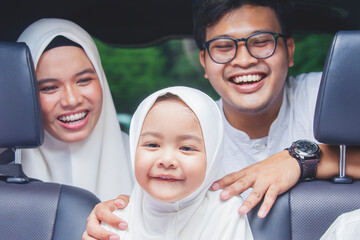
[86, 236]
[269, 200]
[121, 201]
[94, 229]
[227, 180]
[269, 178]
[103, 212]
[253, 199]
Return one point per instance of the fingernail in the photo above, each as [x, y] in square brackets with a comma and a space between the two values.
[114, 237]
[215, 186]
[243, 209]
[119, 203]
[224, 195]
[261, 214]
[123, 226]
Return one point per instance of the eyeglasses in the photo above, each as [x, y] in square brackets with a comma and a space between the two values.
[259, 45]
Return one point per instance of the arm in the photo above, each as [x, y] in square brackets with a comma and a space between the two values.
[278, 173]
[103, 212]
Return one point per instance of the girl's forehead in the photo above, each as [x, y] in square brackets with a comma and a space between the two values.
[169, 111]
[172, 105]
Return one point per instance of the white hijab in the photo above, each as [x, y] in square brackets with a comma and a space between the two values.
[100, 162]
[201, 215]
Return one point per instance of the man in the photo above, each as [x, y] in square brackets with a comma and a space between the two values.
[246, 49]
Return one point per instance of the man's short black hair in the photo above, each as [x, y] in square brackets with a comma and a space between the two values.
[206, 13]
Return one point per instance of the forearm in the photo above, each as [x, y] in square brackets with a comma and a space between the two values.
[330, 162]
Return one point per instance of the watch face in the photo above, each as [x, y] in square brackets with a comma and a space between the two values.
[306, 148]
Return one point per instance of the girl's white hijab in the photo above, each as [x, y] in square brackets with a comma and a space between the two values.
[100, 162]
[201, 215]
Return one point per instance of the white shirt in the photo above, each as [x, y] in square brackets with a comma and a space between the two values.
[294, 122]
[346, 226]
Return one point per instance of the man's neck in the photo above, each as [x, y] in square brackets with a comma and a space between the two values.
[255, 125]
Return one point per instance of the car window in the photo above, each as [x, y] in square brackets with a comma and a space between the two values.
[133, 73]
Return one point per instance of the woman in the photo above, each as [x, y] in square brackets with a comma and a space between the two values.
[83, 143]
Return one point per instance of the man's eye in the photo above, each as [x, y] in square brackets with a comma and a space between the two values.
[223, 47]
[261, 42]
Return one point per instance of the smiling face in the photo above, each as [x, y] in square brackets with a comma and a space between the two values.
[246, 84]
[170, 160]
[70, 93]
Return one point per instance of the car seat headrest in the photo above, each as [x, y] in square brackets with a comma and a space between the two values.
[337, 111]
[21, 120]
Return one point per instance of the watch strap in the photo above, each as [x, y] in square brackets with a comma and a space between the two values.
[308, 167]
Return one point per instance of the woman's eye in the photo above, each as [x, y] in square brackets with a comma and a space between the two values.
[48, 89]
[84, 81]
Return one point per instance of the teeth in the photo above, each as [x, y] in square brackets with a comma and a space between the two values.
[247, 78]
[166, 178]
[73, 118]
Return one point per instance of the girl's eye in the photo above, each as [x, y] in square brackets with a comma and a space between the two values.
[186, 148]
[152, 145]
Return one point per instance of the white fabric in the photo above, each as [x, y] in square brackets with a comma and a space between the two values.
[294, 122]
[346, 226]
[201, 215]
[100, 162]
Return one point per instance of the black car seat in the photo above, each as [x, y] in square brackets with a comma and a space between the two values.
[29, 208]
[308, 209]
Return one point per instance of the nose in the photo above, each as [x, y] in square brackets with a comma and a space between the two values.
[167, 160]
[243, 57]
[71, 97]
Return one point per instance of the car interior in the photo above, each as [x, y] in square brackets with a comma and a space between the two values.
[55, 211]
[30, 208]
[307, 210]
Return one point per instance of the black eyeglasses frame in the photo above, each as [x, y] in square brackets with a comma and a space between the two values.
[236, 41]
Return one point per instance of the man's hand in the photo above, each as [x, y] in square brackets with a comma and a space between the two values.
[102, 212]
[270, 177]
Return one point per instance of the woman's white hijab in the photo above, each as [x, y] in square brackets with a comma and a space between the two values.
[200, 215]
[99, 163]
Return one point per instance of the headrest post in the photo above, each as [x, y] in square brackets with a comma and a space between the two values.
[17, 156]
[342, 160]
[342, 178]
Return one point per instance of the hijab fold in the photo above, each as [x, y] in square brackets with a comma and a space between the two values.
[100, 162]
[200, 215]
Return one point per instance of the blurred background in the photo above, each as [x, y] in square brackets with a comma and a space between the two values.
[134, 73]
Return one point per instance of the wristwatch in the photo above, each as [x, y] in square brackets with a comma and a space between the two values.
[307, 153]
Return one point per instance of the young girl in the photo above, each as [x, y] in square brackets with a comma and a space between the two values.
[83, 143]
[176, 152]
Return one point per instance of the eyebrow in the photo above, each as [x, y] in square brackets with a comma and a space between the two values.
[190, 136]
[88, 70]
[256, 31]
[47, 80]
[181, 137]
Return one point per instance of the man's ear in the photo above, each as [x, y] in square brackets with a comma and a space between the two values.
[290, 44]
[202, 61]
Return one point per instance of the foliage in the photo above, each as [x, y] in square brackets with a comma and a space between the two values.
[134, 73]
[310, 53]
